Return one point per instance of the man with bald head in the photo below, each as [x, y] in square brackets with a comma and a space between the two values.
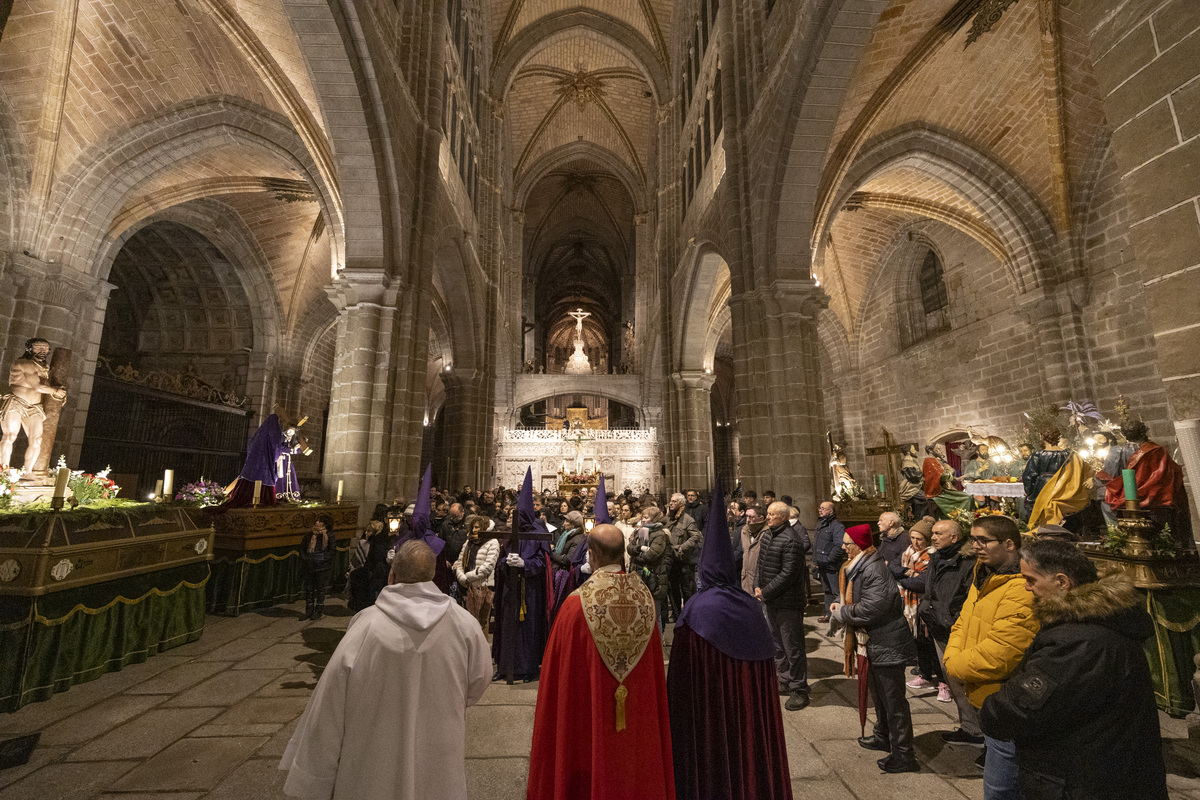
[947, 582]
[893, 541]
[601, 726]
[414, 661]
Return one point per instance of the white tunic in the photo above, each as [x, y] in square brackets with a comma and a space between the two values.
[388, 718]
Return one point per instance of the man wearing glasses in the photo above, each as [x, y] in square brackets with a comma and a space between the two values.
[991, 636]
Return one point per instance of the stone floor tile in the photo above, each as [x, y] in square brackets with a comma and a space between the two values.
[497, 778]
[146, 735]
[830, 788]
[856, 768]
[178, 678]
[499, 731]
[40, 757]
[151, 796]
[190, 764]
[235, 650]
[256, 779]
[225, 688]
[243, 729]
[98, 719]
[279, 741]
[280, 656]
[68, 781]
[263, 710]
[803, 760]
[501, 694]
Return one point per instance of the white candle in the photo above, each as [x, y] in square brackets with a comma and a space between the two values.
[340, 483]
[169, 485]
[257, 491]
[60, 483]
[158, 490]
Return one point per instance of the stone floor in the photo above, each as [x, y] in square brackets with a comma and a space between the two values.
[211, 719]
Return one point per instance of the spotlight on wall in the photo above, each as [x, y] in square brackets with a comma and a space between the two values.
[708, 370]
[447, 368]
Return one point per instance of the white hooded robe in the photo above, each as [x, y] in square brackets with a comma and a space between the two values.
[387, 720]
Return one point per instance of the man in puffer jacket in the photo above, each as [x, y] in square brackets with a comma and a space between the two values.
[872, 609]
[991, 635]
[781, 583]
[1080, 707]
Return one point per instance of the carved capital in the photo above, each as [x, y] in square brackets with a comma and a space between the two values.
[693, 379]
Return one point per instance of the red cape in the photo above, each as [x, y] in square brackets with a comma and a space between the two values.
[577, 751]
[932, 468]
[726, 726]
[1159, 480]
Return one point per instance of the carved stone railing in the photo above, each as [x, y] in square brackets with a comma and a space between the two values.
[186, 384]
[562, 435]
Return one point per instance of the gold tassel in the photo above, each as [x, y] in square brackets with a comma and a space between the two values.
[621, 694]
[521, 616]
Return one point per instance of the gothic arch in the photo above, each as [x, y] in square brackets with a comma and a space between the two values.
[1008, 208]
[13, 165]
[561, 156]
[88, 196]
[704, 304]
[454, 284]
[554, 27]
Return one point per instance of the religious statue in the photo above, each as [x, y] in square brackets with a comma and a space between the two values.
[842, 485]
[912, 486]
[1158, 480]
[23, 409]
[578, 364]
[939, 484]
[627, 348]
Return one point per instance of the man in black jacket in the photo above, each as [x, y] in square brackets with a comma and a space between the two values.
[454, 533]
[893, 541]
[874, 610]
[947, 583]
[828, 554]
[1080, 707]
[696, 509]
[781, 583]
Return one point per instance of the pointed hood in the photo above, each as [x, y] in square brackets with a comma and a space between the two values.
[722, 613]
[526, 520]
[420, 517]
[601, 511]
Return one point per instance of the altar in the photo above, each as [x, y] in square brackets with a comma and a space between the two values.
[628, 459]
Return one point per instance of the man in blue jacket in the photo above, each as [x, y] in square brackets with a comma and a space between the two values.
[828, 554]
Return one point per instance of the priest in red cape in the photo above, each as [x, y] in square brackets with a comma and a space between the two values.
[600, 730]
[726, 726]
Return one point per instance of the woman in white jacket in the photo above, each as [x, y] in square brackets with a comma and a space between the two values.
[475, 567]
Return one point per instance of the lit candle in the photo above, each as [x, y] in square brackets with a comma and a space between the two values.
[339, 496]
[168, 488]
[60, 483]
[158, 490]
[1130, 485]
[257, 492]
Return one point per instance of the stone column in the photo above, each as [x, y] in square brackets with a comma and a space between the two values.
[466, 443]
[693, 429]
[780, 415]
[1056, 317]
[1146, 58]
[360, 403]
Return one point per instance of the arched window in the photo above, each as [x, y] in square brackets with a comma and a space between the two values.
[933, 285]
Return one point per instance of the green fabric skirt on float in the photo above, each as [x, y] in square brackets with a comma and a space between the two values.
[953, 500]
[1176, 641]
[261, 578]
[52, 641]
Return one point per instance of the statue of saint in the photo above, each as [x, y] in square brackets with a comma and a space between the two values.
[22, 409]
[843, 486]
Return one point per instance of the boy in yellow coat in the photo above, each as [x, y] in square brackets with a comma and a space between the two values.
[991, 636]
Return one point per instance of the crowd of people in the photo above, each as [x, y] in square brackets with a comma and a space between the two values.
[1041, 656]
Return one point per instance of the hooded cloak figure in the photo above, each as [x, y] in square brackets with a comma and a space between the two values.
[726, 725]
[422, 531]
[524, 595]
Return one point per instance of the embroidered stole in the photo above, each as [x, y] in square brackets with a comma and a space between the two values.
[620, 615]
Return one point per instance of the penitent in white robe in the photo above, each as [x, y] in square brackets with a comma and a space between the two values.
[387, 720]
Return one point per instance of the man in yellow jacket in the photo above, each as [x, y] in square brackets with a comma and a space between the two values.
[991, 636]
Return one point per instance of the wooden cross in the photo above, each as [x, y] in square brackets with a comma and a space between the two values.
[893, 453]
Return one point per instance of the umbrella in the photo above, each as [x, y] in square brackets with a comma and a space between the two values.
[864, 667]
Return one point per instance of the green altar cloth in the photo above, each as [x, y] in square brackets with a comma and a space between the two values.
[262, 578]
[1176, 641]
[954, 500]
[51, 641]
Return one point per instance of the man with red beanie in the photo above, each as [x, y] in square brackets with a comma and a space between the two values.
[873, 613]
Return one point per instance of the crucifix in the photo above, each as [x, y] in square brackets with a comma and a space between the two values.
[892, 452]
[578, 439]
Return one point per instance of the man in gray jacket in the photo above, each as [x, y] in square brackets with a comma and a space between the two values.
[686, 540]
[872, 609]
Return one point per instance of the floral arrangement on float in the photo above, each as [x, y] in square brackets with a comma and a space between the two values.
[966, 519]
[8, 479]
[203, 493]
[87, 487]
[578, 477]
